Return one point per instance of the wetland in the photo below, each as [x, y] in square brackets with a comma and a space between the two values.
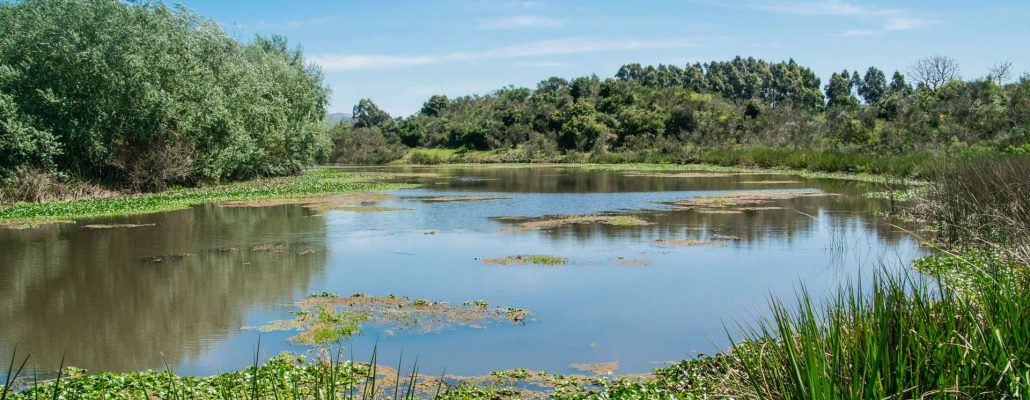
[457, 266]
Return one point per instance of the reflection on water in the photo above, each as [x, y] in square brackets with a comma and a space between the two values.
[116, 299]
[119, 298]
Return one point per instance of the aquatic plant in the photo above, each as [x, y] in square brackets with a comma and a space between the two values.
[317, 182]
[536, 259]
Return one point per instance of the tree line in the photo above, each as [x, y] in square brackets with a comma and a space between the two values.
[141, 95]
[744, 102]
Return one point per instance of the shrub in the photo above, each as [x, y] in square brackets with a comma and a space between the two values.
[141, 95]
[425, 158]
[364, 146]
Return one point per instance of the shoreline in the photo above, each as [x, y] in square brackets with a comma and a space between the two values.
[337, 179]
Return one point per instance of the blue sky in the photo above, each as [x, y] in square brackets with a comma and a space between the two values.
[399, 53]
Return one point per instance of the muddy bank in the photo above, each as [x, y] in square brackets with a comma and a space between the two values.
[523, 224]
[738, 202]
[444, 199]
[320, 203]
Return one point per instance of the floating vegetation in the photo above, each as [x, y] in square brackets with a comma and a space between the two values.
[115, 226]
[317, 182]
[270, 248]
[688, 242]
[898, 195]
[444, 199]
[640, 262]
[168, 258]
[769, 182]
[684, 174]
[736, 201]
[551, 222]
[414, 174]
[604, 368]
[477, 303]
[552, 261]
[713, 211]
[31, 224]
[324, 318]
[364, 209]
[319, 203]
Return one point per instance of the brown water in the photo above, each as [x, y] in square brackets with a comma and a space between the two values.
[118, 299]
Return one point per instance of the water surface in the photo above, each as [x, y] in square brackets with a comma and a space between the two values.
[184, 289]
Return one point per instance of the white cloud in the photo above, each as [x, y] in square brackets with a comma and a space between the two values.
[889, 19]
[541, 64]
[891, 25]
[519, 21]
[347, 62]
[825, 7]
[294, 24]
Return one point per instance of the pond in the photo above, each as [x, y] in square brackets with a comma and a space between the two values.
[651, 271]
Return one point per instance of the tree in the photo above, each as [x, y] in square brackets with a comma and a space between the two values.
[140, 94]
[873, 85]
[367, 115]
[838, 91]
[934, 71]
[435, 105]
[1000, 72]
[899, 85]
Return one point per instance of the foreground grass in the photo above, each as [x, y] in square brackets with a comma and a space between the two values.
[289, 377]
[321, 181]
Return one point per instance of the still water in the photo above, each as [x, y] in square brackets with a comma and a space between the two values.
[184, 289]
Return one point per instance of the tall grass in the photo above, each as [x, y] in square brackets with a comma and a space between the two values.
[965, 334]
[982, 204]
[901, 339]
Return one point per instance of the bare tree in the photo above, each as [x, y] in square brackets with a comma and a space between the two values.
[934, 71]
[1000, 72]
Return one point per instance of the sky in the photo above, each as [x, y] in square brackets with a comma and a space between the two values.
[398, 53]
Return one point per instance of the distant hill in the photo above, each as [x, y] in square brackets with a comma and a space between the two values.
[337, 117]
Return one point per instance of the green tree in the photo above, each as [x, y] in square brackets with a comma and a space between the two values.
[838, 91]
[368, 115]
[873, 85]
[899, 86]
[140, 95]
[435, 105]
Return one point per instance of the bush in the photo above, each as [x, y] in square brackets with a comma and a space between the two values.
[364, 146]
[35, 185]
[425, 158]
[140, 95]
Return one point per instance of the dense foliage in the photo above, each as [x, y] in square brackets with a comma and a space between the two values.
[140, 95]
[739, 104]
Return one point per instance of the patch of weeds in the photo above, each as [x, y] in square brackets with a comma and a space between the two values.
[551, 261]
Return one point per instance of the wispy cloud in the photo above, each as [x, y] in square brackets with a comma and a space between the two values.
[825, 7]
[348, 62]
[541, 64]
[522, 4]
[891, 25]
[885, 20]
[294, 24]
[519, 21]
